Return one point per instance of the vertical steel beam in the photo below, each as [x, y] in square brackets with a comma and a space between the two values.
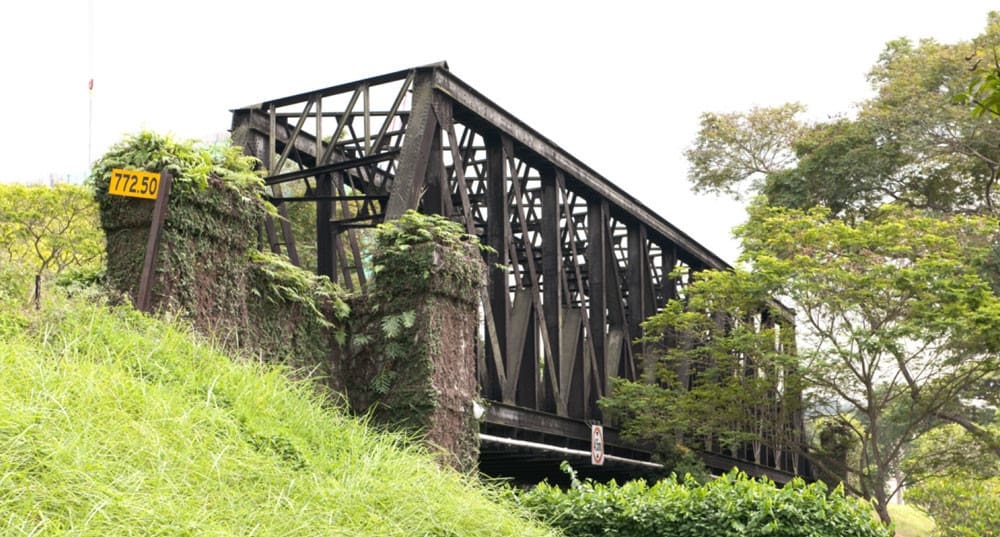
[368, 120]
[593, 385]
[326, 251]
[636, 281]
[641, 297]
[597, 279]
[552, 269]
[272, 139]
[669, 261]
[552, 392]
[528, 390]
[576, 361]
[348, 211]
[668, 292]
[497, 238]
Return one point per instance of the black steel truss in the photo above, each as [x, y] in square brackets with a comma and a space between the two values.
[579, 263]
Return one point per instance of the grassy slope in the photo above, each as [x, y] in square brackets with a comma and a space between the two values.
[115, 424]
[910, 522]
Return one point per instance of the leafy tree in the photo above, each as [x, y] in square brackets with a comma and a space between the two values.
[48, 230]
[949, 451]
[984, 87]
[895, 322]
[733, 149]
[913, 143]
[961, 507]
[956, 481]
[722, 380]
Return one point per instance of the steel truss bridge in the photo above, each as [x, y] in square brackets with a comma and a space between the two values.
[579, 262]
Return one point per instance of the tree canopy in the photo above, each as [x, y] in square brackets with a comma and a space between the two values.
[914, 142]
[878, 229]
[47, 230]
[895, 321]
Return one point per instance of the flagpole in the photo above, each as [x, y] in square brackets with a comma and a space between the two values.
[90, 84]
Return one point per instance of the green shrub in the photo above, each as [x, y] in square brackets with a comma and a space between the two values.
[960, 506]
[732, 505]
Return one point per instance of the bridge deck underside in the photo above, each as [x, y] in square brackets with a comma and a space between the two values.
[575, 263]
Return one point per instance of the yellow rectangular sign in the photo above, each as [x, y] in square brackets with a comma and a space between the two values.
[134, 183]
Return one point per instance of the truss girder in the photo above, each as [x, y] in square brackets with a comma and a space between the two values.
[576, 263]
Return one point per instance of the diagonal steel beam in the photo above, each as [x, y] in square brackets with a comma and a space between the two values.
[414, 156]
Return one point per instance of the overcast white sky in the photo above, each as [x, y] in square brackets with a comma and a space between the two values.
[618, 84]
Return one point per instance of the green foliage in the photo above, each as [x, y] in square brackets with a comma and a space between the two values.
[296, 317]
[190, 162]
[841, 164]
[960, 506]
[418, 248]
[46, 232]
[985, 67]
[49, 229]
[15, 283]
[950, 450]
[393, 325]
[14, 293]
[913, 143]
[417, 259]
[734, 148]
[899, 308]
[984, 90]
[209, 270]
[114, 423]
[722, 373]
[895, 322]
[702, 389]
[956, 481]
[280, 281]
[732, 505]
[897, 319]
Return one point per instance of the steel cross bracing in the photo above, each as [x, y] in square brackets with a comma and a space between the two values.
[579, 263]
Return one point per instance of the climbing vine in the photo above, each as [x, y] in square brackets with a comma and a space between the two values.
[382, 350]
[417, 257]
[209, 269]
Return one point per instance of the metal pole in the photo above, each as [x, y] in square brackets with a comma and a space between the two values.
[142, 298]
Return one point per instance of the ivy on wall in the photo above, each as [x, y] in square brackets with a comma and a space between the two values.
[209, 268]
[420, 262]
[380, 351]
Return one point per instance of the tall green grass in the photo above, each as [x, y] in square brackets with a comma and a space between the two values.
[910, 521]
[112, 423]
